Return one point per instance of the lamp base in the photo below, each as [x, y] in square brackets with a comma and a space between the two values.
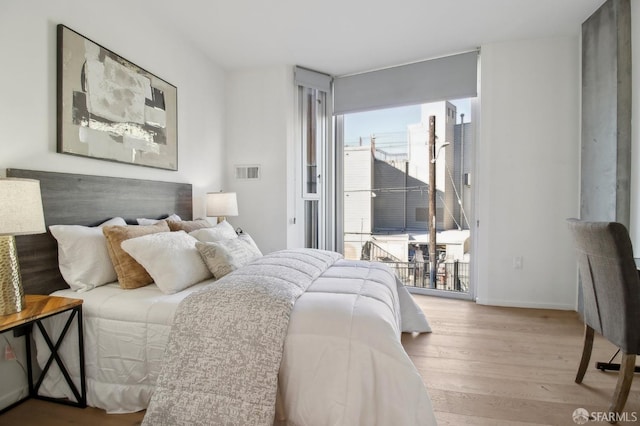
[11, 293]
[221, 219]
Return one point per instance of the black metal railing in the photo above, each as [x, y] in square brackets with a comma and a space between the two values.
[451, 276]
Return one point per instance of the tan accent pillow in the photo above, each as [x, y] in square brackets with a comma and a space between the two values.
[130, 273]
[188, 225]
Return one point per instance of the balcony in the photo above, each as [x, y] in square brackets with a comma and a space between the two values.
[451, 275]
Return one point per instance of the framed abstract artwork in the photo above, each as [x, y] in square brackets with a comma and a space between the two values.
[111, 109]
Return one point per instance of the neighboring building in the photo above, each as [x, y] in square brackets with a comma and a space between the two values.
[419, 166]
[463, 161]
[358, 206]
[386, 190]
[401, 202]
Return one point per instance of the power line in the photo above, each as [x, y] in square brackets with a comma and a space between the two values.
[421, 188]
[400, 189]
[464, 214]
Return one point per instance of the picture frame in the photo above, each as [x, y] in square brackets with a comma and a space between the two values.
[110, 108]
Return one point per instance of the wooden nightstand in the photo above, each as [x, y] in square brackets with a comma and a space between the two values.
[36, 309]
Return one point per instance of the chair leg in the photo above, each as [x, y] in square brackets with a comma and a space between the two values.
[625, 377]
[586, 353]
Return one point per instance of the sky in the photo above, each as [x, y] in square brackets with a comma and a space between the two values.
[390, 120]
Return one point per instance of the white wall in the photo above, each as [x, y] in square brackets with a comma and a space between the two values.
[259, 131]
[528, 172]
[28, 103]
[28, 87]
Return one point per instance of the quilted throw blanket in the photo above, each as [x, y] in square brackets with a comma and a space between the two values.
[224, 352]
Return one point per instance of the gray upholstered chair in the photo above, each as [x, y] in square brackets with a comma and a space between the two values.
[611, 290]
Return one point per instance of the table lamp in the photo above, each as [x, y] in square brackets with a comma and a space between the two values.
[222, 204]
[20, 214]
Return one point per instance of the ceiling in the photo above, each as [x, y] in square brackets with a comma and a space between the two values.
[348, 36]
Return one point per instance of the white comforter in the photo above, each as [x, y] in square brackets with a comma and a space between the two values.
[343, 363]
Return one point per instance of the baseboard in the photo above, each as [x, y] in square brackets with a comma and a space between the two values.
[522, 304]
[13, 396]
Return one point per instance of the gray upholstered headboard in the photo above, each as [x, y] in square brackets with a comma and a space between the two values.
[72, 199]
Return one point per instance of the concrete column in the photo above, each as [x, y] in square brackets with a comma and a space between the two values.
[606, 114]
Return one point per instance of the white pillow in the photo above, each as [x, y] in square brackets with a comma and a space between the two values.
[226, 256]
[247, 239]
[220, 232]
[171, 258]
[82, 255]
[144, 221]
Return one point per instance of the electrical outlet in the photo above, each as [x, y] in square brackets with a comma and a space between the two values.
[9, 354]
[517, 262]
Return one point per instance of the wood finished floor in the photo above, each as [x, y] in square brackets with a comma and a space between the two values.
[482, 365]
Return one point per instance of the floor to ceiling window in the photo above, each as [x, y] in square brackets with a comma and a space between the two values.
[316, 189]
[385, 179]
[396, 185]
[312, 103]
[405, 139]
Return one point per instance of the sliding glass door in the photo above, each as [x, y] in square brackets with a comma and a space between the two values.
[396, 185]
[386, 166]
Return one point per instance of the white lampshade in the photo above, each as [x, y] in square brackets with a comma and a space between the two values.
[20, 207]
[20, 214]
[222, 204]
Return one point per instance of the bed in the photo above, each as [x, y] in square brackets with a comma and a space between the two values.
[341, 361]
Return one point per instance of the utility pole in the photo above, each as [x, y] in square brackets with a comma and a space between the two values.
[432, 202]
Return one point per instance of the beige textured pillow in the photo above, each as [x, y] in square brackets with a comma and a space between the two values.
[130, 273]
[188, 225]
[226, 256]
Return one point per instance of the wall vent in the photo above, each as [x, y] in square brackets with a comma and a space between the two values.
[248, 172]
